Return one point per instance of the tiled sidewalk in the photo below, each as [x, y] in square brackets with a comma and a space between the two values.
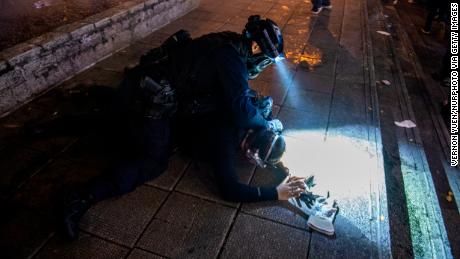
[323, 97]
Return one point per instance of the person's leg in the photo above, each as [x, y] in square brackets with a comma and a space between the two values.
[432, 11]
[327, 4]
[144, 158]
[317, 6]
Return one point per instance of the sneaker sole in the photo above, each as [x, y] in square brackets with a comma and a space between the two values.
[317, 12]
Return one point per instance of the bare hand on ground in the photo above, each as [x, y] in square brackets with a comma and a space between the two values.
[292, 188]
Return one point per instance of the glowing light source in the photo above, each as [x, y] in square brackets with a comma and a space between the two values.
[279, 58]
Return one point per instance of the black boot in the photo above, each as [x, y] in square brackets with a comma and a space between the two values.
[75, 207]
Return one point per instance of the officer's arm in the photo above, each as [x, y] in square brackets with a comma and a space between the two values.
[226, 176]
[233, 75]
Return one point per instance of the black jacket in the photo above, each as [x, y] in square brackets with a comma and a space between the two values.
[210, 68]
[216, 64]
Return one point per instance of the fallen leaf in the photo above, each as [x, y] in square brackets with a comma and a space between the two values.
[384, 33]
[386, 82]
[449, 196]
[405, 124]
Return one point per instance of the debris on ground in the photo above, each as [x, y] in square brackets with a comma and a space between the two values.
[405, 124]
[384, 33]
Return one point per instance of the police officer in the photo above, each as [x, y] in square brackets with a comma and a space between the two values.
[201, 89]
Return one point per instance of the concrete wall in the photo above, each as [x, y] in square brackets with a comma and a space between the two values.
[30, 68]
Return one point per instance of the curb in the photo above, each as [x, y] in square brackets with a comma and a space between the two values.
[35, 66]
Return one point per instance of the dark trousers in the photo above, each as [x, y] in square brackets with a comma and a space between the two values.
[141, 147]
[143, 150]
[319, 3]
[435, 7]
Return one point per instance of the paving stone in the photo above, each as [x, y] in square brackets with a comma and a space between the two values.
[350, 97]
[318, 60]
[176, 168]
[294, 48]
[350, 67]
[306, 100]
[332, 17]
[324, 37]
[187, 227]
[278, 14]
[44, 190]
[238, 4]
[85, 247]
[92, 151]
[17, 164]
[199, 179]
[281, 72]
[259, 7]
[309, 81]
[206, 15]
[240, 19]
[95, 76]
[141, 254]
[349, 242]
[23, 230]
[280, 211]
[128, 57]
[12, 126]
[296, 30]
[301, 20]
[155, 39]
[334, 28]
[194, 28]
[206, 28]
[276, 90]
[296, 122]
[230, 27]
[51, 145]
[123, 219]
[350, 42]
[348, 112]
[253, 237]
[349, 128]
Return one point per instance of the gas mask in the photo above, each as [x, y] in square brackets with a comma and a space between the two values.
[262, 147]
[256, 63]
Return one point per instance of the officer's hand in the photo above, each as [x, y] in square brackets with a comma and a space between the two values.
[275, 125]
[290, 189]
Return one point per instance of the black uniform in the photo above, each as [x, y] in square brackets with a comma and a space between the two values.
[211, 79]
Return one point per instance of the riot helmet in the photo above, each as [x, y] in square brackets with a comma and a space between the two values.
[267, 35]
[263, 147]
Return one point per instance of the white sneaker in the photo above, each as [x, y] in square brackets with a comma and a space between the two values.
[323, 220]
[316, 10]
[328, 7]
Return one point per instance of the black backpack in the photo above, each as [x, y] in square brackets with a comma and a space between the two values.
[173, 68]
